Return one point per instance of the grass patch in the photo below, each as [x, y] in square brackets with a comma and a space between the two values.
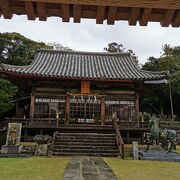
[149, 170]
[35, 168]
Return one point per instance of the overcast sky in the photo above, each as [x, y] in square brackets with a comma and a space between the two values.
[88, 36]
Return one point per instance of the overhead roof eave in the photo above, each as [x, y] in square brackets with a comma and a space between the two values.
[166, 12]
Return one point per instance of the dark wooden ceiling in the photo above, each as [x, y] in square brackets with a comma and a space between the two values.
[166, 12]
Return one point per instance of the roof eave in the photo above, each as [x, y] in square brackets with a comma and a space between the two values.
[23, 75]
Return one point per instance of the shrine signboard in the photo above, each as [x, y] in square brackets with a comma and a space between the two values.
[13, 139]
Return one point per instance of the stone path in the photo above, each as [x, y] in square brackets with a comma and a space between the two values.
[88, 168]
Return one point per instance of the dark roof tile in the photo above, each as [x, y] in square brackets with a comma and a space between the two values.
[84, 65]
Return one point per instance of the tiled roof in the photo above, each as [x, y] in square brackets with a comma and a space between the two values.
[83, 65]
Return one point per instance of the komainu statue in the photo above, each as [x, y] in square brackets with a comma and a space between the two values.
[166, 138]
[43, 144]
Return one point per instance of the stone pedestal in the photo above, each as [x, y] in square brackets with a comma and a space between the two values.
[13, 139]
[42, 150]
[7, 149]
[135, 150]
[159, 156]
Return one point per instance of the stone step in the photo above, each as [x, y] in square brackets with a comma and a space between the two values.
[87, 140]
[85, 143]
[84, 139]
[85, 154]
[84, 147]
[86, 134]
[85, 150]
[76, 143]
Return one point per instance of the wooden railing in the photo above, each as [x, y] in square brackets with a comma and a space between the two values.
[133, 124]
[170, 124]
[56, 123]
[38, 122]
[119, 139]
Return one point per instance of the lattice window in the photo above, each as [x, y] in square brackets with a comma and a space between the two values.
[50, 107]
[123, 110]
[84, 109]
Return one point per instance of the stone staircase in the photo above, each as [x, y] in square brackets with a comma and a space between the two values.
[90, 144]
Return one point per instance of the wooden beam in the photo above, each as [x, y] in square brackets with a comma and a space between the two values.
[30, 11]
[77, 13]
[102, 111]
[137, 105]
[6, 9]
[85, 87]
[65, 12]
[167, 18]
[122, 92]
[145, 17]
[176, 20]
[134, 15]
[158, 4]
[100, 14]
[41, 8]
[112, 15]
[67, 109]
[32, 105]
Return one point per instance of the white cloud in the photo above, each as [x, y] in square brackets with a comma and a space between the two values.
[88, 36]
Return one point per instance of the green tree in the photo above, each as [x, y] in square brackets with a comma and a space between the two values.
[159, 97]
[7, 91]
[119, 48]
[114, 48]
[16, 49]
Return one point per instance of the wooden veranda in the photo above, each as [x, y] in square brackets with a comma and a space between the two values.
[167, 12]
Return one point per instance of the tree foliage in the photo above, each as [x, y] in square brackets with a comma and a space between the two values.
[7, 91]
[114, 47]
[159, 97]
[16, 49]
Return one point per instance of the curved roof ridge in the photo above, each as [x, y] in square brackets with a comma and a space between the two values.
[84, 52]
[14, 66]
[152, 72]
[9, 66]
[155, 72]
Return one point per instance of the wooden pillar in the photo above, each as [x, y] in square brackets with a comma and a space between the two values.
[41, 132]
[57, 122]
[67, 109]
[102, 110]
[25, 135]
[142, 138]
[137, 105]
[128, 137]
[17, 106]
[32, 105]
